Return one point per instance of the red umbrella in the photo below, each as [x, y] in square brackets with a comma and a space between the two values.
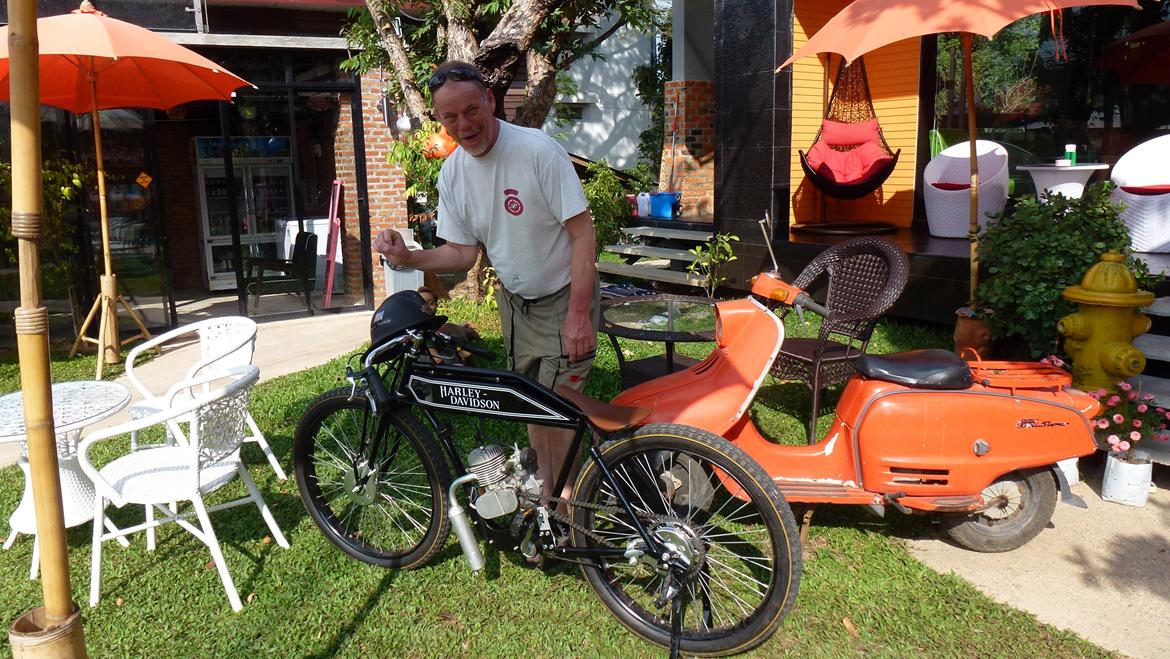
[867, 25]
[1142, 57]
[90, 62]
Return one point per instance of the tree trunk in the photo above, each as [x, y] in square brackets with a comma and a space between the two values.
[461, 42]
[540, 93]
[500, 53]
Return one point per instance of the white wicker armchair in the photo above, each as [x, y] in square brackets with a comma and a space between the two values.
[1143, 187]
[206, 457]
[223, 343]
[948, 211]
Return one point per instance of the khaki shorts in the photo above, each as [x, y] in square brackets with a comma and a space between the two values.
[532, 336]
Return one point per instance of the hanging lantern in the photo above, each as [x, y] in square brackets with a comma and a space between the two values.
[439, 145]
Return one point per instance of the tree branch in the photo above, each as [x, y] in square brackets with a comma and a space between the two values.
[396, 54]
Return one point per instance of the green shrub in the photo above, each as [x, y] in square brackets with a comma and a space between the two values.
[607, 203]
[1031, 254]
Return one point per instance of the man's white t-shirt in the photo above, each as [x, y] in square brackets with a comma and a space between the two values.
[515, 200]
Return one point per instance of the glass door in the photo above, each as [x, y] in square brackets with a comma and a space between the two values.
[217, 223]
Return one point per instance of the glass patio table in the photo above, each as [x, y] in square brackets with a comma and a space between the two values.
[668, 319]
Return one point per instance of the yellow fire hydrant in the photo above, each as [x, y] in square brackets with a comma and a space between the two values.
[1099, 336]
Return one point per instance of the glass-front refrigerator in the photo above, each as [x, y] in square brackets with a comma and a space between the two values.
[262, 168]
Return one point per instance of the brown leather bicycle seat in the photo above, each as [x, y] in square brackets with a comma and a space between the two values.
[604, 416]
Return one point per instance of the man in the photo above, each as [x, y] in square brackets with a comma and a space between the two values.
[514, 191]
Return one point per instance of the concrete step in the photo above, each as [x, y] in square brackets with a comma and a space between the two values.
[1160, 307]
[1159, 387]
[1154, 346]
[668, 234]
[652, 252]
[645, 272]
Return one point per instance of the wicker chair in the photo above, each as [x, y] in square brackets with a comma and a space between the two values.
[866, 276]
[224, 342]
[946, 187]
[1143, 187]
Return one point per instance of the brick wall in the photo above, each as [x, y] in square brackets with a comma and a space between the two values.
[385, 182]
[690, 146]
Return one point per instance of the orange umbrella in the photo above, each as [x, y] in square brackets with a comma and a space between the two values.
[1142, 57]
[867, 25]
[90, 62]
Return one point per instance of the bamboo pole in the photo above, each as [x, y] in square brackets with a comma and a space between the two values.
[969, 84]
[55, 629]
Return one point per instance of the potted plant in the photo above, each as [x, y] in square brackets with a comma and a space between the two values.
[1036, 250]
[1128, 418]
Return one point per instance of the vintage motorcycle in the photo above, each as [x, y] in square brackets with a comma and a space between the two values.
[921, 431]
[678, 532]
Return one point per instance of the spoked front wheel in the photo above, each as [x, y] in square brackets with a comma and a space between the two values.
[382, 502]
[715, 509]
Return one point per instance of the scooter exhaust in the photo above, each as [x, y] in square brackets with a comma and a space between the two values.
[462, 525]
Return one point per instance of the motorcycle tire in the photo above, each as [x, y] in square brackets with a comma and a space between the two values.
[745, 551]
[398, 517]
[1022, 503]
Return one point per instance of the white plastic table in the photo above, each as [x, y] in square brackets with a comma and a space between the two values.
[1068, 180]
[75, 406]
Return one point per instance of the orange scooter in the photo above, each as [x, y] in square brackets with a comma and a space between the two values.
[921, 431]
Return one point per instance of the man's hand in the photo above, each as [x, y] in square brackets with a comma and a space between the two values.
[391, 244]
[579, 335]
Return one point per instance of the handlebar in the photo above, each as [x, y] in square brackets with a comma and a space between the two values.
[805, 300]
[464, 344]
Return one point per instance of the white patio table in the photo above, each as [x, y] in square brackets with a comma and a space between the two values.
[1068, 180]
[75, 406]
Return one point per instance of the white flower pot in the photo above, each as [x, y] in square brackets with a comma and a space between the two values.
[1126, 482]
[1069, 469]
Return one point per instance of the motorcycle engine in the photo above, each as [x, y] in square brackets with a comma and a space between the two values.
[501, 478]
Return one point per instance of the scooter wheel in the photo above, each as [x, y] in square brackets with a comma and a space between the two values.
[1021, 504]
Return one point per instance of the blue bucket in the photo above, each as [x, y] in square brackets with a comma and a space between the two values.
[664, 205]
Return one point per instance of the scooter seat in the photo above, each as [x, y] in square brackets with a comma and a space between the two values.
[921, 369]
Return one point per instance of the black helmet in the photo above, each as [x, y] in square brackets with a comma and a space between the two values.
[402, 311]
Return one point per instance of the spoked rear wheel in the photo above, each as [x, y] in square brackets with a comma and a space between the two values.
[387, 509]
[713, 506]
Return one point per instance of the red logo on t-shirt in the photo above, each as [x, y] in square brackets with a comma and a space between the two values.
[512, 203]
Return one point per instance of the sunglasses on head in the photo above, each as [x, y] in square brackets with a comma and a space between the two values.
[458, 74]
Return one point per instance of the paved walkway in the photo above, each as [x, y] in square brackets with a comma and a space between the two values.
[1103, 573]
[282, 347]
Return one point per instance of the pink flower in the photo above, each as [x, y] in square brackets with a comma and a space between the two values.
[1148, 397]
[1143, 407]
[1124, 386]
[1137, 423]
[1113, 400]
[1131, 395]
[1112, 439]
[1135, 436]
[1102, 423]
[1117, 418]
[1123, 446]
[1163, 437]
[1101, 392]
[1159, 410]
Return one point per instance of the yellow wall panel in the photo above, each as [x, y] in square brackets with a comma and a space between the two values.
[893, 79]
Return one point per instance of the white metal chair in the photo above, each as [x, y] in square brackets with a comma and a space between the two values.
[946, 187]
[223, 343]
[1144, 189]
[205, 457]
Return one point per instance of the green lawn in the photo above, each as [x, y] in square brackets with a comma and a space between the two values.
[861, 592]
